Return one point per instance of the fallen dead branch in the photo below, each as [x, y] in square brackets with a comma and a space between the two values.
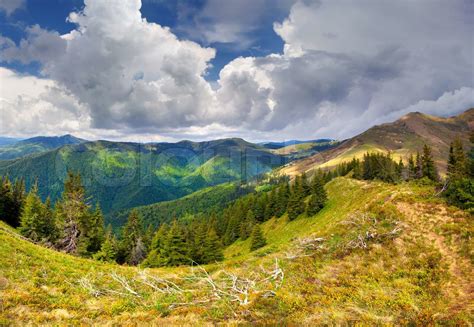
[222, 285]
[124, 283]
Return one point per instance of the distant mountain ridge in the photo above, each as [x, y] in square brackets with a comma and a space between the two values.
[121, 175]
[36, 145]
[282, 144]
[8, 140]
[402, 138]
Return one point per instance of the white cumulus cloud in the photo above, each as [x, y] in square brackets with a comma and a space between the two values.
[346, 65]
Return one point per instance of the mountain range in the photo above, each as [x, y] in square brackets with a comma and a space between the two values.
[123, 175]
[404, 137]
[13, 148]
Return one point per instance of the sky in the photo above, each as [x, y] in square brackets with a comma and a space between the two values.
[166, 70]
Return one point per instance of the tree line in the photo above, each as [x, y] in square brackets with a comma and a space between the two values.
[458, 186]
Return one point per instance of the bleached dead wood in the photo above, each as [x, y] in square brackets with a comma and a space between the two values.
[124, 283]
[85, 283]
[161, 285]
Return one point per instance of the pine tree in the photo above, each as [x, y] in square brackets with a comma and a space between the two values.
[212, 248]
[460, 191]
[154, 257]
[357, 169]
[318, 198]
[428, 167]
[31, 221]
[282, 199]
[399, 169]
[132, 232]
[73, 213]
[457, 162]
[419, 166]
[259, 207]
[411, 174]
[272, 204]
[148, 236]
[198, 241]
[8, 209]
[295, 204]
[257, 239]
[175, 251]
[305, 188]
[50, 230]
[94, 232]
[108, 249]
[233, 228]
[246, 225]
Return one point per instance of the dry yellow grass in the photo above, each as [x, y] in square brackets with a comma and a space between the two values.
[414, 269]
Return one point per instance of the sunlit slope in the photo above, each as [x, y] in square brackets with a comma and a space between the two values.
[122, 175]
[403, 137]
[377, 254]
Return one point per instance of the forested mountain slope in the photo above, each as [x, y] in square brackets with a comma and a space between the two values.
[35, 145]
[403, 137]
[377, 254]
[124, 175]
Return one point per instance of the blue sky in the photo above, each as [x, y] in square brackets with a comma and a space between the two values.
[165, 70]
[52, 14]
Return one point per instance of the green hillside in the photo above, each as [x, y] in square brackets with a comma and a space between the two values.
[402, 138]
[303, 150]
[201, 203]
[125, 175]
[13, 150]
[377, 254]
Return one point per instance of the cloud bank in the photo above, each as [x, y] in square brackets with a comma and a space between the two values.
[10, 6]
[345, 66]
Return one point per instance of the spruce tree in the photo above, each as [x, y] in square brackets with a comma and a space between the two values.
[282, 199]
[257, 239]
[49, 227]
[411, 174]
[357, 169]
[108, 249]
[93, 231]
[148, 236]
[198, 248]
[318, 198]
[31, 221]
[73, 214]
[212, 248]
[419, 166]
[154, 257]
[175, 251]
[428, 167]
[457, 163]
[132, 232]
[259, 207]
[305, 187]
[246, 225]
[460, 191]
[233, 228]
[295, 204]
[272, 204]
[8, 211]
